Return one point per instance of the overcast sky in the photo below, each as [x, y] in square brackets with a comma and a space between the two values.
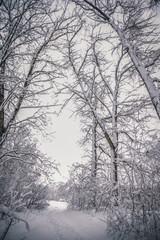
[64, 147]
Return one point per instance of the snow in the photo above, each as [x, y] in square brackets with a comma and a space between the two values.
[59, 223]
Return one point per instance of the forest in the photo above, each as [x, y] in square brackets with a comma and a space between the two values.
[102, 57]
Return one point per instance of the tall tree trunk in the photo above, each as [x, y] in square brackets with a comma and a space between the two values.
[94, 149]
[115, 138]
[1, 103]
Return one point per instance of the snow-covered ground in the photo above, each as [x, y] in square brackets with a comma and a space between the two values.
[59, 223]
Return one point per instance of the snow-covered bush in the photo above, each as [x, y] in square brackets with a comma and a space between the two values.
[122, 223]
[138, 214]
[38, 198]
[85, 192]
[21, 168]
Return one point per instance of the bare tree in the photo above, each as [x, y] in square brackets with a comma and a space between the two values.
[30, 34]
[133, 22]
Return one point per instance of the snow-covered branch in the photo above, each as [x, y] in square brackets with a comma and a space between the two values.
[5, 211]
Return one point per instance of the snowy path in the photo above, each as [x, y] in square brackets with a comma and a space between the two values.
[58, 223]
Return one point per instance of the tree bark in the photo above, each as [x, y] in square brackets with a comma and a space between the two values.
[1, 103]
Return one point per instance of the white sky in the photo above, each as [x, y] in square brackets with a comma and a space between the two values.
[64, 146]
